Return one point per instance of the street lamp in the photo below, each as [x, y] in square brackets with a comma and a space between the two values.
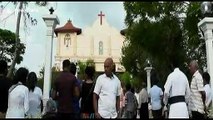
[51, 21]
[206, 25]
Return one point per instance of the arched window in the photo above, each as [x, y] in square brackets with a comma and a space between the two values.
[100, 48]
[67, 40]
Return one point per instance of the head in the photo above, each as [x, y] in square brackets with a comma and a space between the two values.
[128, 86]
[3, 67]
[32, 81]
[154, 78]
[51, 106]
[133, 90]
[206, 78]
[66, 65]
[143, 85]
[108, 67]
[73, 68]
[21, 75]
[193, 66]
[89, 71]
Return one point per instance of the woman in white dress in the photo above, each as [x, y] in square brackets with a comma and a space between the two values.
[18, 103]
[35, 97]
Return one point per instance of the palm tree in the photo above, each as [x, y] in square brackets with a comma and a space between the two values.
[22, 5]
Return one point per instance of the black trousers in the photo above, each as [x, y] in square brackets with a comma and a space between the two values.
[197, 115]
[157, 113]
[144, 112]
[65, 115]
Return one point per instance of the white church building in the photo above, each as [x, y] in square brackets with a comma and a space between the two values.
[95, 42]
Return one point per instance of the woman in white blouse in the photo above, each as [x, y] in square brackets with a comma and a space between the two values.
[35, 97]
[18, 103]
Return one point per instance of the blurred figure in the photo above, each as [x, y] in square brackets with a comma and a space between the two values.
[65, 89]
[143, 102]
[18, 100]
[35, 97]
[156, 96]
[87, 110]
[51, 110]
[5, 84]
[198, 97]
[207, 88]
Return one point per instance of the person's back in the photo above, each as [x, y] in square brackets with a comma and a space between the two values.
[65, 86]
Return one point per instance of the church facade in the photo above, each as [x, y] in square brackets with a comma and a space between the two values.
[96, 42]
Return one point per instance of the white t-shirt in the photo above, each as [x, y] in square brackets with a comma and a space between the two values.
[208, 94]
[107, 89]
[18, 102]
[35, 98]
[155, 95]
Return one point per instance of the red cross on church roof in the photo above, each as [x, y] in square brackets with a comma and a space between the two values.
[101, 15]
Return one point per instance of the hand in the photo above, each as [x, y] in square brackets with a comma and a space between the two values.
[97, 115]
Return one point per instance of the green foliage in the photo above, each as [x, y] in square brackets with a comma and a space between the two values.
[7, 42]
[158, 31]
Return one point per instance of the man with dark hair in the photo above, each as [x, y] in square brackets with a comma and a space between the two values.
[64, 89]
[76, 107]
[5, 84]
[156, 96]
[177, 93]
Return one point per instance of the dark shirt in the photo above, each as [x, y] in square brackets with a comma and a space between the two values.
[64, 85]
[76, 107]
[5, 84]
[87, 98]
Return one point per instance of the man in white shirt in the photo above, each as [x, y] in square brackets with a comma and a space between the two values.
[143, 102]
[207, 88]
[156, 96]
[197, 101]
[177, 93]
[106, 95]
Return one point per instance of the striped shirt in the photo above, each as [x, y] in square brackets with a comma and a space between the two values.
[196, 103]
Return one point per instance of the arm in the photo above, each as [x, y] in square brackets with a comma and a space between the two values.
[76, 89]
[95, 105]
[26, 101]
[167, 88]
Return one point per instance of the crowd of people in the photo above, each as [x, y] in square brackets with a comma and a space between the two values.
[106, 96]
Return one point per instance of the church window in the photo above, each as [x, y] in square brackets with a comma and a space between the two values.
[67, 40]
[100, 48]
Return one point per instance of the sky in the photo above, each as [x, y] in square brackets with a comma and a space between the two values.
[82, 14]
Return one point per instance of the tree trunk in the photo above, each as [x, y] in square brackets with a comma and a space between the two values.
[16, 53]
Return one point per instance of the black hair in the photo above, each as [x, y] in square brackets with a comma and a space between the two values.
[73, 68]
[154, 78]
[3, 67]
[206, 77]
[21, 75]
[128, 86]
[32, 81]
[66, 63]
[90, 71]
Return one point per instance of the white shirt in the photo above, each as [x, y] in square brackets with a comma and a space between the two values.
[196, 103]
[208, 91]
[107, 89]
[143, 97]
[177, 84]
[155, 95]
[35, 98]
[137, 97]
[18, 102]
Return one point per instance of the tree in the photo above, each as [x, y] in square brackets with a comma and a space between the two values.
[7, 43]
[161, 31]
[22, 6]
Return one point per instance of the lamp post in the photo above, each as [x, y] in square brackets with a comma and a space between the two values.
[206, 25]
[51, 21]
[148, 73]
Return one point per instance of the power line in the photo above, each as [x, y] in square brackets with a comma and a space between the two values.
[3, 7]
[7, 16]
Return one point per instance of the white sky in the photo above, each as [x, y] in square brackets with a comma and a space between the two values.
[82, 14]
